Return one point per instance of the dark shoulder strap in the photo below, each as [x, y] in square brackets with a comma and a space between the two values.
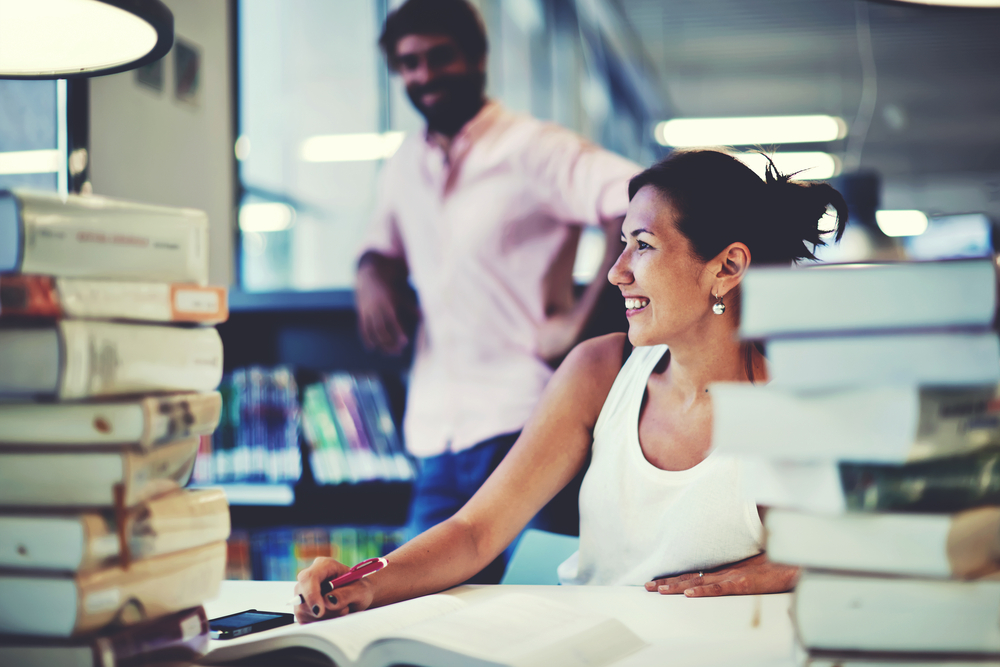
[626, 350]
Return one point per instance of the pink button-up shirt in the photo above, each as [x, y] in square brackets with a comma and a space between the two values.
[479, 228]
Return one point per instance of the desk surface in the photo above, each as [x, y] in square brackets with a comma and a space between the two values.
[746, 631]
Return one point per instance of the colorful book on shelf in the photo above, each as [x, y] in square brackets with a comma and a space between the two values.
[53, 477]
[964, 545]
[146, 421]
[99, 237]
[38, 296]
[328, 457]
[66, 605]
[889, 424]
[511, 629]
[868, 297]
[182, 636]
[257, 438]
[90, 359]
[83, 541]
[948, 484]
[362, 459]
[927, 358]
[381, 426]
[855, 612]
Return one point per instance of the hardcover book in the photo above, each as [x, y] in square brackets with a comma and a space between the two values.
[99, 237]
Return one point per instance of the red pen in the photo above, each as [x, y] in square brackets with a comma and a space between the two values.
[359, 571]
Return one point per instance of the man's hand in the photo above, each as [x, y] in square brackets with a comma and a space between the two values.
[380, 303]
[752, 576]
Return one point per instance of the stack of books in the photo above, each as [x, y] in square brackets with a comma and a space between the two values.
[876, 447]
[257, 441]
[350, 431]
[107, 378]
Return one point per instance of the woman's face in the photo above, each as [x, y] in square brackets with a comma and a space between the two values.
[667, 289]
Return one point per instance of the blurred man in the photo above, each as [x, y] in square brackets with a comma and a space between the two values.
[481, 212]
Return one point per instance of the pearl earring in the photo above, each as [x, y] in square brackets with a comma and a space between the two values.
[718, 307]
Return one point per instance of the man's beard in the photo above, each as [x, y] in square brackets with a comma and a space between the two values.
[462, 99]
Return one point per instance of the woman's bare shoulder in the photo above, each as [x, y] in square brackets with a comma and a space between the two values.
[590, 369]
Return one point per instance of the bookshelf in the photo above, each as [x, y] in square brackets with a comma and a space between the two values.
[314, 333]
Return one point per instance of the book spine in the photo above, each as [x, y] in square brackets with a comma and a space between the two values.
[94, 237]
[939, 485]
[29, 296]
[106, 359]
[360, 459]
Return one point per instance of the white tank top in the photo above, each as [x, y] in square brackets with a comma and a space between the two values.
[638, 522]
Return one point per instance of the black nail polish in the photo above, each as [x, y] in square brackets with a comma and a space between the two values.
[332, 598]
[316, 610]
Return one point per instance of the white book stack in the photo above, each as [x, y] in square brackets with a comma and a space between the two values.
[108, 374]
[876, 448]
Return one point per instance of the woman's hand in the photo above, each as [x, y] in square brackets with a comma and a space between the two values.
[343, 600]
[747, 577]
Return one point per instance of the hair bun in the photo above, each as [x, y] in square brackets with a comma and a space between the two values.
[797, 208]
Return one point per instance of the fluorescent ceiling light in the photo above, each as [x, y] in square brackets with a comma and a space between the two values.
[806, 166]
[901, 223]
[351, 147]
[50, 39]
[30, 162]
[266, 217]
[751, 131]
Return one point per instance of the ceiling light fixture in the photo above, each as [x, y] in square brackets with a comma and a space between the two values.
[59, 39]
[749, 131]
[351, 147]
[901, 223]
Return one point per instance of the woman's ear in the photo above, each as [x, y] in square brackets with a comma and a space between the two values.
[732, 264]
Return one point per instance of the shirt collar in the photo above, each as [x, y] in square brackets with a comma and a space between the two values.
[471, 131]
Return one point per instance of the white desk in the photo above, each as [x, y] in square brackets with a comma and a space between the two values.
[685, 632]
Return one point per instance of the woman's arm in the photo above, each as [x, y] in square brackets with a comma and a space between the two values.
[552, 448]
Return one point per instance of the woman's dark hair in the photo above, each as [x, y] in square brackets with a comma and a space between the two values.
[719, 201]
[455, 18]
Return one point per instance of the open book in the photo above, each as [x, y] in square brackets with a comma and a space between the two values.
[513, 629]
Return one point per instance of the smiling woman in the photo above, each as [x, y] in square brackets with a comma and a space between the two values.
[657, 507]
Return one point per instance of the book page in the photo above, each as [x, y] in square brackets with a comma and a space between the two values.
[520, 629]
[355, 632]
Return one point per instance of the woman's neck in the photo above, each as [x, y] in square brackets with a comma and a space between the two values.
[715, 356]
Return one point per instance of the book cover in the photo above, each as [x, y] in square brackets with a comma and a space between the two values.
[441, 630]
[89, 359]
[144, 422]
[99, 237]
[964, 545]
[837, 362]
[37, 477]
[78, 542]
[946, 485]
[38, 296]
[181, 636]
[887, 424]
[329, 460]
[868, 297]
[855, 612]
[66, 606]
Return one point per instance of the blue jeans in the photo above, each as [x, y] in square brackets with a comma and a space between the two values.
[446, 482]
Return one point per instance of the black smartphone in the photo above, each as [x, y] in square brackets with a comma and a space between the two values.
[245, 622]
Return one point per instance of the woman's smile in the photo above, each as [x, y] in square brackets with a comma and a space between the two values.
[635, 304]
